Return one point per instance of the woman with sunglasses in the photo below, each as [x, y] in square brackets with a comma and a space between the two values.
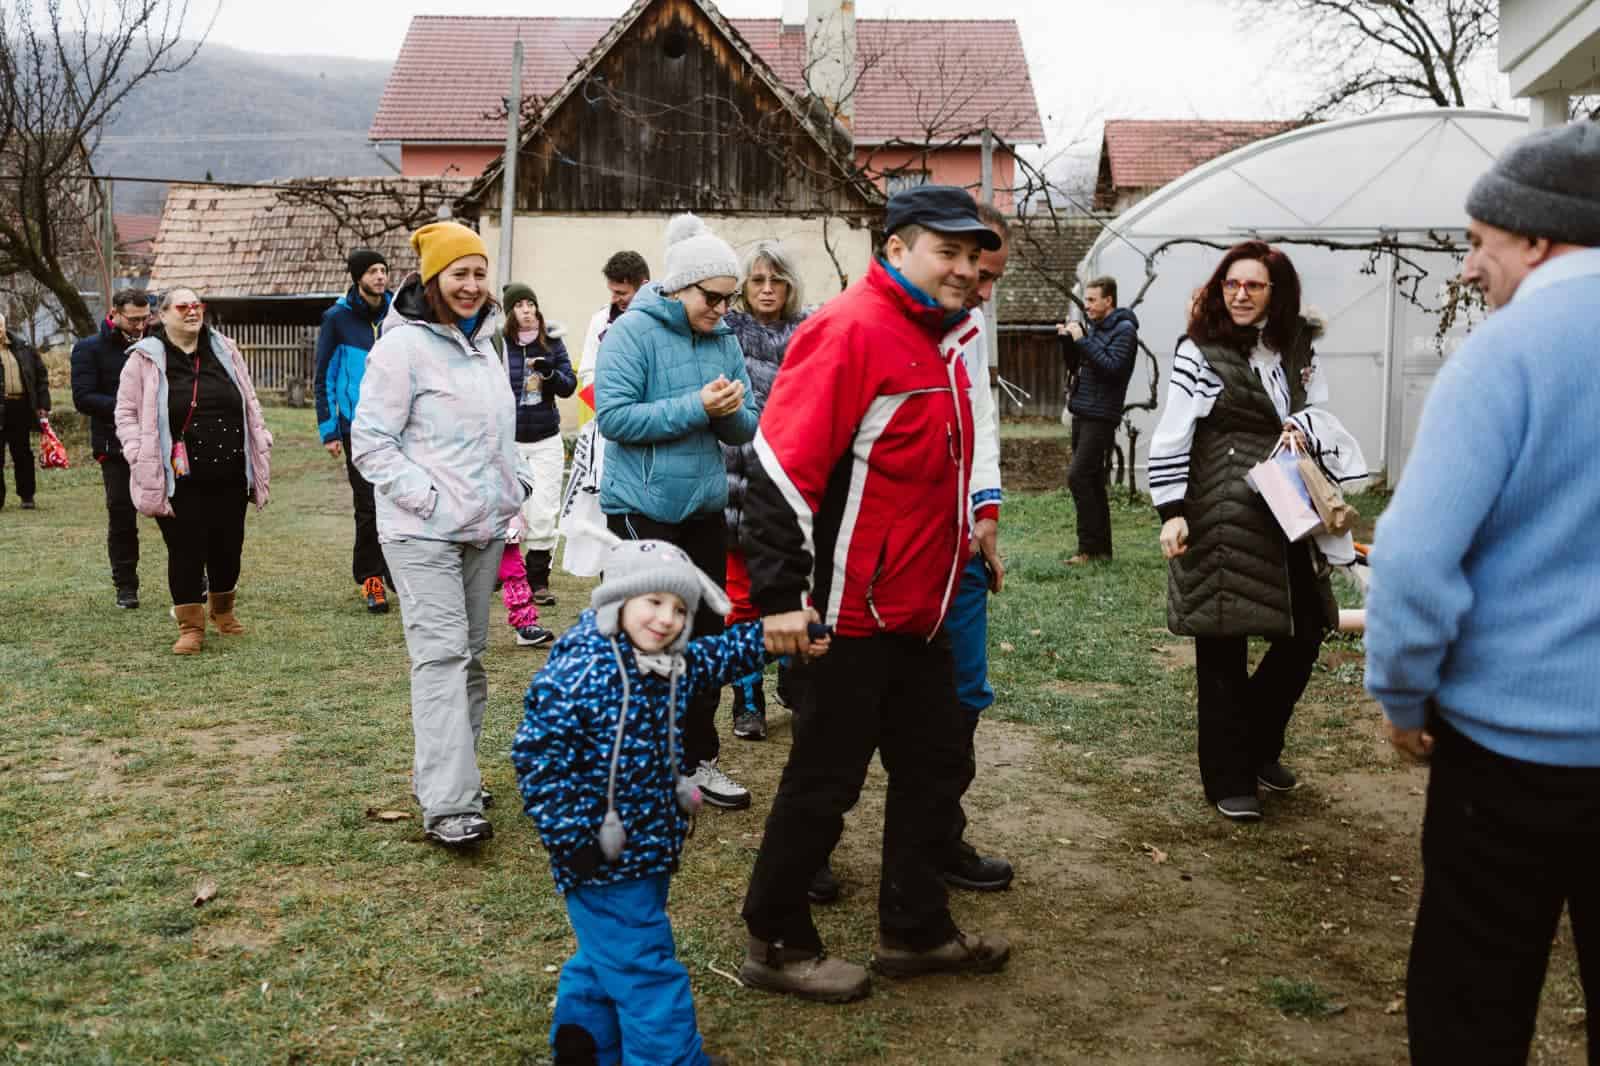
[198, 451]
[1244, 378]
[670, 390]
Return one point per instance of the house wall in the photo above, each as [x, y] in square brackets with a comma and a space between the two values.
[435, 160]
[946, 166]
[561, 257]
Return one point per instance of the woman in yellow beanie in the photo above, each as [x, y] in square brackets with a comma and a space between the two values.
[435, 433]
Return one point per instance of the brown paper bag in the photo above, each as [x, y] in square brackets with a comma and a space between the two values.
[1337, 516]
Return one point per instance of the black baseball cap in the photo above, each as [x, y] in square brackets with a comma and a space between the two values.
[942, 208]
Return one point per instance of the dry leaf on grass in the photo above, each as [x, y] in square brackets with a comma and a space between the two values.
[205, 891]
[1396, 1005]
[1157, 856]
[387, 816]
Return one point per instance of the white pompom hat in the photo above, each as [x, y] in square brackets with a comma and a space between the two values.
[694, 254]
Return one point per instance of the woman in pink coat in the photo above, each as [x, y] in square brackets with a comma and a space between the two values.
[197, 450]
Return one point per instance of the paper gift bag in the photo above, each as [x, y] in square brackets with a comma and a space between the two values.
[1277, 479]
[1337, 515]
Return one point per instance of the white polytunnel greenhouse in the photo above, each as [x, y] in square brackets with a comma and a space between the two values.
[1398, 178]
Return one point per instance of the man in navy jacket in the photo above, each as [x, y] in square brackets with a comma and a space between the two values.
[349, 329]
[96, 371]
[1101, 357]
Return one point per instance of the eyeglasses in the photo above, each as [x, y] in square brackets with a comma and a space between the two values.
[761, 281]
[713, 298]
[184, 309]
[1251, 288]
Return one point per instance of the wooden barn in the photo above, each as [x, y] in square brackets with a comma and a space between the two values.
[673, 111]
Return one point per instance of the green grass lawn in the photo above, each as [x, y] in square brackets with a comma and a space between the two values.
[1146, 929]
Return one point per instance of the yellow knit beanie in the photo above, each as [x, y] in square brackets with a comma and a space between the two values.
[439, 244]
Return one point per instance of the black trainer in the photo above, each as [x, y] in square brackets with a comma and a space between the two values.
[749, 709]
[977, 873]
[128, 599]
[824, 887]
[1240, 808]
[1276, 777]
[534, 636]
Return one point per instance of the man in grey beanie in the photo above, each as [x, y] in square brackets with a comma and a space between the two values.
[1483, 619]
[670, 388]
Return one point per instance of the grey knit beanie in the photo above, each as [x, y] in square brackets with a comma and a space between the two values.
[694, 254]
[640, 567]
[1545, 185]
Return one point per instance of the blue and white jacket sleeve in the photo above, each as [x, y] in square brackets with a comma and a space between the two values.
[714, 661]
[328, 351]
[565, 799]
[1419, 591]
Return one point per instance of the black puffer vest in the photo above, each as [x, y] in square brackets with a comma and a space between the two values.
[1234, 579]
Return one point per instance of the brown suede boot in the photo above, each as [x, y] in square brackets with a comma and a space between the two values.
[222, 613]
[964, 953]
[807, 974]
[191, 628]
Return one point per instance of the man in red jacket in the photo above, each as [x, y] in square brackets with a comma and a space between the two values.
[858, 516]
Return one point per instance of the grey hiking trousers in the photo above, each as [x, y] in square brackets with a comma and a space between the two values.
[445, 590]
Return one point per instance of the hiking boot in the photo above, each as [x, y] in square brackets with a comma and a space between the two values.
[977, 873]
[221, 610]
[543, 597]
[1276, 777]
[128, 599]
[534, 636]
[963, 953]
[29, 505]
[191, 628]
[749, 708]
[718, 789]
[460, 830]
[801, 972]
[824, 886]
[1240, 808]
[376, 595]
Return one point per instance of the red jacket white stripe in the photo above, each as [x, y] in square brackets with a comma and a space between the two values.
[861, 502]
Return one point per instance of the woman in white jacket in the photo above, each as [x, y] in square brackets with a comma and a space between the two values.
[435, 433]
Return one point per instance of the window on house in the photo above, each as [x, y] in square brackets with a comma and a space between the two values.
[904, 179]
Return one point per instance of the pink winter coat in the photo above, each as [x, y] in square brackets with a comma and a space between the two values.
[146, 435]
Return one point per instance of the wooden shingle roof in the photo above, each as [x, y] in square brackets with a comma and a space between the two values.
[1044, 258]
[269, 241]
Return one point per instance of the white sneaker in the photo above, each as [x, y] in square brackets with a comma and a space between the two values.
[718, 789]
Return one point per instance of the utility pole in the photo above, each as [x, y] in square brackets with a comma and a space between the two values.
[508, 173]
[108, 243]
[991, 335]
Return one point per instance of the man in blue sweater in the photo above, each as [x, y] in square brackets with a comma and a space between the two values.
[349, 329]
[1483, 622]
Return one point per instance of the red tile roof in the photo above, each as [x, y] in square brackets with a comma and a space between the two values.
[1146, 153]
[136, 233]
[921, 81]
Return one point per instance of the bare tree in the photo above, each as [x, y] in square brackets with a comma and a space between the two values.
[1364, 53]
[65, 69]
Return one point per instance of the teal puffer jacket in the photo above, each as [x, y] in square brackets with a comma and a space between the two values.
[663, 454]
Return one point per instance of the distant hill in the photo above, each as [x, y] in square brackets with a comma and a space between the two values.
[245, 116]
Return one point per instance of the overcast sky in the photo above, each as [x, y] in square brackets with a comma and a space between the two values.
[1090, 59]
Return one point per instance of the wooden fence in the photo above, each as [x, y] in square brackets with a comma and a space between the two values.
[280, 358]
[1030, 360]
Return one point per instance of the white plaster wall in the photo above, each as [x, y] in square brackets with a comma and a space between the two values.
[561, 258]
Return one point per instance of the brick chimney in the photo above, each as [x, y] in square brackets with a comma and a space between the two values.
[831, 55]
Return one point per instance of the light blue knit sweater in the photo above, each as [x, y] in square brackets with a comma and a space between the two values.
[1486, 565]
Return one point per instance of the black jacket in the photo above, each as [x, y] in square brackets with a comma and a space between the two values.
[540, 420]
[96, 371]
[35, 380]
[1104, 362]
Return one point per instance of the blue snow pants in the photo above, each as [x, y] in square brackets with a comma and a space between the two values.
[625, 985]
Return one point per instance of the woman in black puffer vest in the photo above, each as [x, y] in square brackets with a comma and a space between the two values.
[1239, 380]
[766, 313]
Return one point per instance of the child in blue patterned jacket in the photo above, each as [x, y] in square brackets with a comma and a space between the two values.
[599, 766]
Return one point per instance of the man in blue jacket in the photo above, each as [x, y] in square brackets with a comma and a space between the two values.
[1100, 359]
[96, 371]
[1483, 619]
[349, 329]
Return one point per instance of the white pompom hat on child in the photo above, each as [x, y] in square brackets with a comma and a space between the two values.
[694, 254]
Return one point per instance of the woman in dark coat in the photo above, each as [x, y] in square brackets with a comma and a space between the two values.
[1244, 378]
[26, 388]
[767, 310]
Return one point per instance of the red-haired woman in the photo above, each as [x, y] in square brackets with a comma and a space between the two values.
[1243, 377]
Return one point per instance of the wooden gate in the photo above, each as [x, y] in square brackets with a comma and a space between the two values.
[1030, 359]
[279, 357]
